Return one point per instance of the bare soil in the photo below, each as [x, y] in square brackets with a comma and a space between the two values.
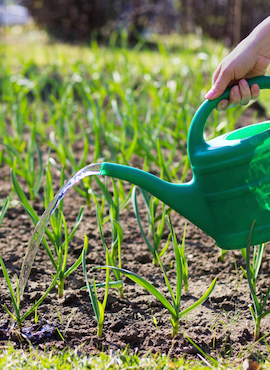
[222, 326]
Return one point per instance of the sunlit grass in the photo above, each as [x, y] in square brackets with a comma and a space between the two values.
[11, 358]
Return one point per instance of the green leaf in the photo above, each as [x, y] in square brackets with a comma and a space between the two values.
[4, 209]
[258, 261]
[77, 224]
[201, 300]
[41, 169]
[59, 262]
[252, 313]
[119, 230]
[65, 243]
[12, 294]
[266, 313]
[111, 261]
[137, 214]
[93, 298]
[146, 285]
[179, 272]
[249, 275]
[167, 282]
[23, 198]
[79, 260]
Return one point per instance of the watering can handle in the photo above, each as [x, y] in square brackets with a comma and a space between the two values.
[195, 140]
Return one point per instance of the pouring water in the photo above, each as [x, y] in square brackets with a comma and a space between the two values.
[90, 170]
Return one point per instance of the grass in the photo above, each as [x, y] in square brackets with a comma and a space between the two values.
[117, 104]
[11, 358]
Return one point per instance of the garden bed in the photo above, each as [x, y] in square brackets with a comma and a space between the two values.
[121, 106]
[221, 326]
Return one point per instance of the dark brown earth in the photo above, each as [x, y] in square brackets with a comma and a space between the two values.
[222, 326]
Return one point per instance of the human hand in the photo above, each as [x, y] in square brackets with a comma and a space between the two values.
[240, 93]
[249, 59]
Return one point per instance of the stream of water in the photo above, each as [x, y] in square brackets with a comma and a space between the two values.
[90, 170]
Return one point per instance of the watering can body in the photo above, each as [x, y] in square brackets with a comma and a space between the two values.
[230, 188]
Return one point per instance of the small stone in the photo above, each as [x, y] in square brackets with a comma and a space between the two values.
[190, 350]
[250, 365]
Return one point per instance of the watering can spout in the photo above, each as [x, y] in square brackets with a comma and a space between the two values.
[180, 197]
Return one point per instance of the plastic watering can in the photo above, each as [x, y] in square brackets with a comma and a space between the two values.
[231, 180]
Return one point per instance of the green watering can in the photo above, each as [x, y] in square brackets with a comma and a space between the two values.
[230, 188]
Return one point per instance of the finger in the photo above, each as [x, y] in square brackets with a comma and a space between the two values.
[235, 97]
[244, 92]
[222, 80]
[255, 91]
[222, 105]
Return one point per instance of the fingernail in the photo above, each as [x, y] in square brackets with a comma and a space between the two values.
[255, 89]
[224, 105]
[209, 94]
[243, 84]
[236, 91]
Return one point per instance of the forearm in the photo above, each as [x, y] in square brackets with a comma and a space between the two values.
[259, 38]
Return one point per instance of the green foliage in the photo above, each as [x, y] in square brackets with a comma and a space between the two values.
[120, 360]
[23, 163]
[156, 222]
[114, 254]
[184, 260]
[174, 308]
[15, 296]
[259, 300]
[4, 209]
[98, 307]
[57, 222]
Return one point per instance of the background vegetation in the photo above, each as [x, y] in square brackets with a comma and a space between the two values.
[70, 20]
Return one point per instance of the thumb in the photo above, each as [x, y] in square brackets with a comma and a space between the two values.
[219, 86]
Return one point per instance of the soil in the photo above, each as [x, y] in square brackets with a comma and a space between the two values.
[222, 326]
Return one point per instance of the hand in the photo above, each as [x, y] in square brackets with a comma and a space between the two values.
[241, 94]
[249, 59]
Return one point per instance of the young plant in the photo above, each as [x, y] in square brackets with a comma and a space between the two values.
[254, 268]
[174, 308]
[184, 260]
[4, 209]
[258, 304]
[98, 307]
[65, 328]
[66, 154]
[15, 295]
[113, 255]
[113, 205]
[113, 200]
[156, 232]
[64, 273]
[24, 163]
[55, 236]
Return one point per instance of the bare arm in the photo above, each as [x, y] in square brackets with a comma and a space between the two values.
[249, 59]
